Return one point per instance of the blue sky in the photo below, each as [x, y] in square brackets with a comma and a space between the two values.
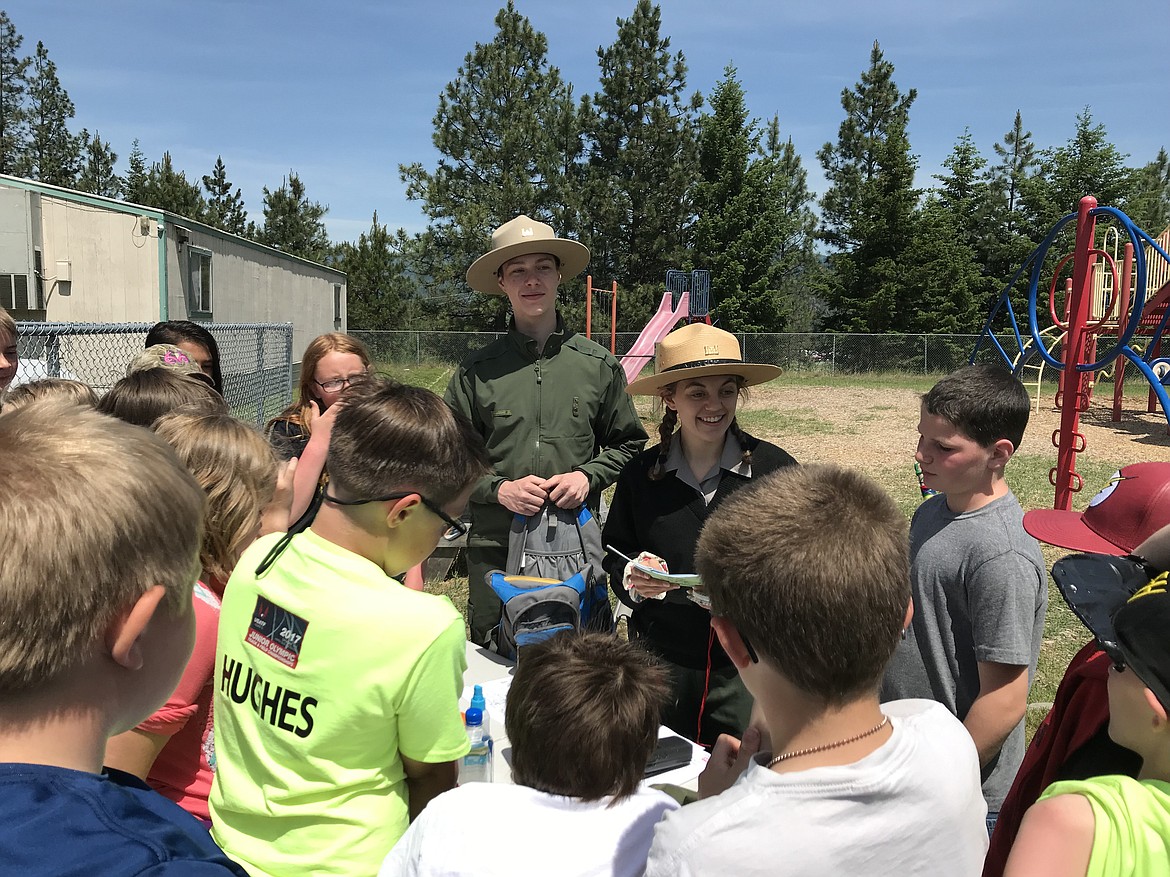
[344, 92]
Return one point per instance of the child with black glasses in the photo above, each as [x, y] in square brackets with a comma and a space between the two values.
[336, 702]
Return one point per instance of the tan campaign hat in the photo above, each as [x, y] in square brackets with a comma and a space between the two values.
[519, 237]
[696, 351]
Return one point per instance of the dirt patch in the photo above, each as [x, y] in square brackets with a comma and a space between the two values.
[876, 427]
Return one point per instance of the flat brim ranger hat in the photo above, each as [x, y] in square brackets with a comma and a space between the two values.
[520, 237]
[697, 351]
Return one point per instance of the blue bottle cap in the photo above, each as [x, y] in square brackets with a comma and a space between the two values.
[473, 716]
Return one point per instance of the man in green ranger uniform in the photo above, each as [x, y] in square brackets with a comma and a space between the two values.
[550, 404]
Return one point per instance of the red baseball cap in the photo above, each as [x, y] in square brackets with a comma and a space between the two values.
[1132, 507]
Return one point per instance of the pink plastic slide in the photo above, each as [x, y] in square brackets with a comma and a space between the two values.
[657, 329]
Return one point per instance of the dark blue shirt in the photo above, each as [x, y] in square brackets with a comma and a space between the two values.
[57, 822]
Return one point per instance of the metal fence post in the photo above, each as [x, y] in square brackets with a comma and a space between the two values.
[53, 355]
[924, 370]
[260, 384]
[418, 348]
[833, 362]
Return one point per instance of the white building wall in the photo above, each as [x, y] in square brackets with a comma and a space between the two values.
[253, 284]
[113, 265]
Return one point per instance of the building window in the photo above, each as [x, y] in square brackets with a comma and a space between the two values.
[39, 278]
[14, 289]
[336, 305]
[199, 269]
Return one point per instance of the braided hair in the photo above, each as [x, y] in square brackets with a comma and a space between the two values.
[746, 456]
[665, 436]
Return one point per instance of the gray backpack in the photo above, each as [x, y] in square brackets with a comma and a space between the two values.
[554, 581]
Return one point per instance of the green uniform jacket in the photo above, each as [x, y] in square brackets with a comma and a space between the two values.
[543, 414]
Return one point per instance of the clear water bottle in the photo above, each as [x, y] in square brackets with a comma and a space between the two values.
[478, 702]
[476, 766]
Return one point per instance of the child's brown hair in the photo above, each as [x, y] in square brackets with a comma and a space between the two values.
[391, 436]
[985, 402]
[143, 397]
[95, 513]
[7, 326]
[583, 715]
[811, 565]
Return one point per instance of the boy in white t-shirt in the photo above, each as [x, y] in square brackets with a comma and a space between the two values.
[809, 582]
[582, 718]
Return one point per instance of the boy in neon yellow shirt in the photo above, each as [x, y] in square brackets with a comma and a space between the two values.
[1112, 826]
[336, 699]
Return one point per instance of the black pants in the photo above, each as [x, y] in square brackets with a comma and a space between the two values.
[483, 606]
[702, 706]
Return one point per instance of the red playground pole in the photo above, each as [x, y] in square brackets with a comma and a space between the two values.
[613, 320]
[1072, 398]
[589, 306]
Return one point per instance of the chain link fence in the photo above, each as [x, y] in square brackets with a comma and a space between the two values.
[829, 353]
[255, 359]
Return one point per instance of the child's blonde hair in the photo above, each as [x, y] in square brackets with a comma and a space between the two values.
[46, 389]
[95, 512]
[236, 468]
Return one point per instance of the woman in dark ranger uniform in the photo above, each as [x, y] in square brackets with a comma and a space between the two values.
[663, 498]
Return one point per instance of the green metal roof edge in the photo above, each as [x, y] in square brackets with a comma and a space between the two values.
[156, 214]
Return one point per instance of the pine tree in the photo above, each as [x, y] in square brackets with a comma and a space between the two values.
[1088, 164]
[940, 275]
[225, 208]
[97, 175]
[1009, 238]
[727, 211]
[293, 223]
[1149, 201]
[867, 213]
[753, 225]
[507, 132]
[13, 88]
[1017, 156]
[135, 185]
[642, 149]
[169, 189]
[53, 155]
[957, 232]
[800, 273]
[380, 295]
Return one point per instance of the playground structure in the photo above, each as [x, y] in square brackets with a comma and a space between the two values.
[1102, 305]
[687, 296]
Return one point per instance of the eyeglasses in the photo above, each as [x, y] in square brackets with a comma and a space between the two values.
[335, 384]
[455, 528]
[459, 527]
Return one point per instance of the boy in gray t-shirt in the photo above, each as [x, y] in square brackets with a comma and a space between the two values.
[979, 581]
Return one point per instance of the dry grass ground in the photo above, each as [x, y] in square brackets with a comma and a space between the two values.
[869, 423]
